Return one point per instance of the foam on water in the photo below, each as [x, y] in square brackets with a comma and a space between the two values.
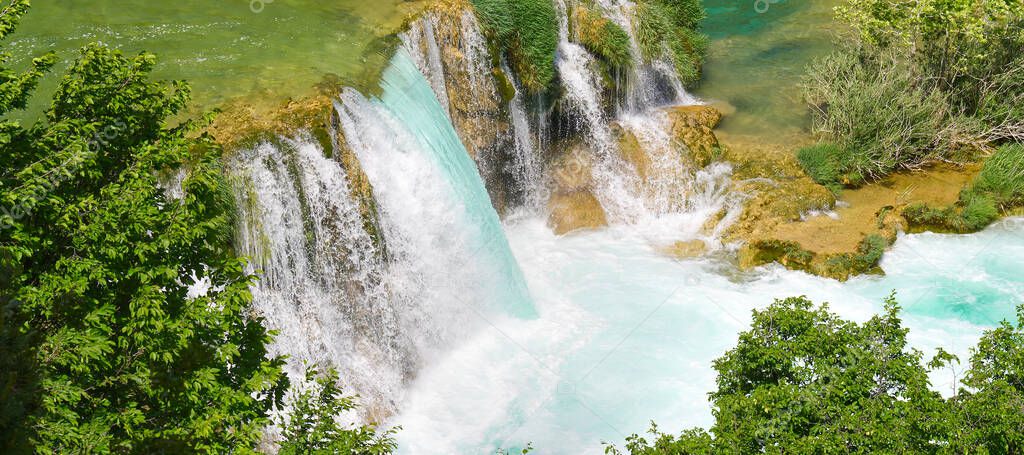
[626, 335]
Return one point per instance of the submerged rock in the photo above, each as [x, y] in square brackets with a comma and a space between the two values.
[686, 249]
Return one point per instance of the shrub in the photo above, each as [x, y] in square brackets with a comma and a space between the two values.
[876, 110]
[602, 37]
[803, 380]
[829, 165]
[529, 30]
[312, 425]
[869, 254]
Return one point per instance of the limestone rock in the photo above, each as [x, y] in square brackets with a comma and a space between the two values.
[573, 211]
[693, 126]
[688, 249]
[572, 204]
[632, 151]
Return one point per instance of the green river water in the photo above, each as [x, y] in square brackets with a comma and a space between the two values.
[263, 50]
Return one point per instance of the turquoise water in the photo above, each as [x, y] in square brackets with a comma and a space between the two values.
[626, 335]
[408, 97]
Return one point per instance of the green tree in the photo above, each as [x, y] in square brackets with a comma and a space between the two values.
[802, 380]
[312, 427]
[125, 311]
[990, 409]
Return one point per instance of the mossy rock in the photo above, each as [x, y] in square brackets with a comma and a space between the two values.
[693, 126]
[793, 256]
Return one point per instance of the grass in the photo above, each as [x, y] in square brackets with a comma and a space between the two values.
[829, 165]
[878, 113]
[671, 29]
[1002, 177]
[602, 37]
[528, 29]
[999, 187]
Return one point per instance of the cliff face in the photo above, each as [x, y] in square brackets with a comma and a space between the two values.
[449, 48]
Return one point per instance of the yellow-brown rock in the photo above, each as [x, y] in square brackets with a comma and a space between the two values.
[632, 151]
[475, 102]
[572, 204]
[778, 225]
[687, 249]
[693, 126]
[574, 211]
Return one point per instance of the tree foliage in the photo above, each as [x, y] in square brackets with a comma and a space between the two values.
[803, 380]
[125, 321]
[124, 307]
[312, 426]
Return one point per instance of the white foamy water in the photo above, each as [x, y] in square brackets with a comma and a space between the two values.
[626, 335]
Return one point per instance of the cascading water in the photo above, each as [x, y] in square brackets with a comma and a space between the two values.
[420, 43]
[526, 169]
[615, 180]
[441, 332]
[649, 82]
[438, 217]
[668, 185]
[322, 279]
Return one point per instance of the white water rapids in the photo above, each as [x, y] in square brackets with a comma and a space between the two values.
[474, 334]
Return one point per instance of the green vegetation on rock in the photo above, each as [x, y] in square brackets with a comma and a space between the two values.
[528, 30]
[672, 29]
[829, 165]
[803, 380]
[998, 188]
[602, 37]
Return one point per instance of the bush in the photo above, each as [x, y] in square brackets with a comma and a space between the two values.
[875, 109]
[869, 254]
[529, 30]
[312, 427]
[944, 82]
[602, 37]
[829, 165]
[804, 380]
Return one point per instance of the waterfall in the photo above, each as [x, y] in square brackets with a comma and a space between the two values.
[648, 84]
[420, 42]
[438, 219]
[525, 166]
[322, 283]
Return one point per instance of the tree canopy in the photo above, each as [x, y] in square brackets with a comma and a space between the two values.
[126, 323]
[803, 380]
